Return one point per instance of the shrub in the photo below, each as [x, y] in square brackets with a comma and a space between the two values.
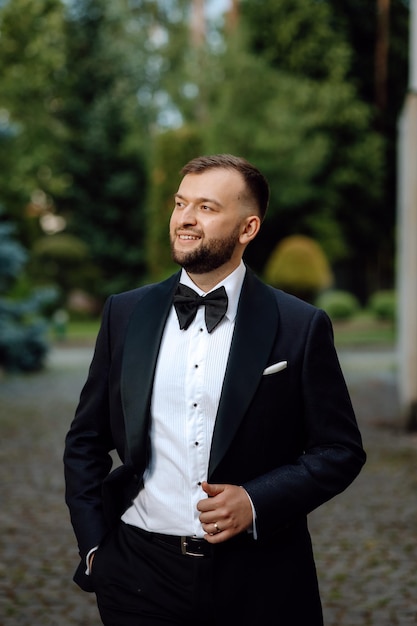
[383, 304]
[23, 331]
[23, 347]
[338, 304]
[299, 266]
[64, 261]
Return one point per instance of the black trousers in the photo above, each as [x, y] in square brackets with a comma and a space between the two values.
[143, 583]
[139, 582]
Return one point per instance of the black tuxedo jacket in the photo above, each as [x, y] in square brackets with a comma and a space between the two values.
[290, 437]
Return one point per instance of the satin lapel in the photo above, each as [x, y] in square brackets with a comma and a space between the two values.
[254, 336]
[142, 343]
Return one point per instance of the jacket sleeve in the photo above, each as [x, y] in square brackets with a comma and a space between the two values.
[333, 454]
[87, 461]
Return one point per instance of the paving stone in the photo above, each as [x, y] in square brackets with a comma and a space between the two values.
[365, 539]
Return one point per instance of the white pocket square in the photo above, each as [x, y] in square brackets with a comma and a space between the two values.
[276, 367]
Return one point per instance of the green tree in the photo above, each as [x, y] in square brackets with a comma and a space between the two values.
[311, 137]
[299, 37]
[172, 149]
[85, 85]
[337, 42]
[360, 21]
[379, 68]
[31, 67]
[102, 153]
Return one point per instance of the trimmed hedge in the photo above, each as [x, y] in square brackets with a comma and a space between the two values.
[383, 304]
[338, 304]
[299, 266]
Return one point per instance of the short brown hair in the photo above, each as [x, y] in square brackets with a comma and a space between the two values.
[255, 181]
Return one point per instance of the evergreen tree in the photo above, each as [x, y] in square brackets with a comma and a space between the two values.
[23, 332]
[101, 155]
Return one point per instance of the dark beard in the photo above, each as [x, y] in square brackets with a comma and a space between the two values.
[209, 256]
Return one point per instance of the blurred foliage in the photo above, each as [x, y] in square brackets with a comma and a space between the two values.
[338, 304]
[292, 35]
[63, 260]
[299, 266]
[340, 43]
[102, 151]
[12, 256]
[172, 149]
[95, 95]
[32, 66]
[383, 304]
[23, 331]
[23, 345]
[312, 134]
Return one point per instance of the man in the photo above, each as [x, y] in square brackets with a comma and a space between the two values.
[229, 434]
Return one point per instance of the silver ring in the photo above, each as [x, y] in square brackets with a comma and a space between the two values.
[217, 528]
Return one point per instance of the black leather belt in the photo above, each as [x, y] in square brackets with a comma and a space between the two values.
[188, 546]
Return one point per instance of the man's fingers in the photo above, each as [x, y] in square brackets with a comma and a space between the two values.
[211, 489]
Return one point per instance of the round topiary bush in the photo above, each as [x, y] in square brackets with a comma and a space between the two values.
[338, 304]
[383, 305]
[299, 266]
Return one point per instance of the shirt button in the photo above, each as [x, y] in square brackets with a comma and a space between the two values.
[196, 443]
[199, 483]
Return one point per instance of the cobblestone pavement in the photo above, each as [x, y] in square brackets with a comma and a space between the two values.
[365, 539]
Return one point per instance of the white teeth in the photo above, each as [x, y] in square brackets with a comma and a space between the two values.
[188, 237]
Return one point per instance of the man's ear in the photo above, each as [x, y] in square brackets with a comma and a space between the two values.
[250, 229]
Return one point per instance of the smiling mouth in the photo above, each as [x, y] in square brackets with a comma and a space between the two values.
[189, 237]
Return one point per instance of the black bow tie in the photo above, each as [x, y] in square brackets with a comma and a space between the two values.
[187, 301]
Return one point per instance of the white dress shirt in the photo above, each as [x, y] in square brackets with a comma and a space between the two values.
[187, 386]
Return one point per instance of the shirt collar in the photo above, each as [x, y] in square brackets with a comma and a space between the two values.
[232, 283]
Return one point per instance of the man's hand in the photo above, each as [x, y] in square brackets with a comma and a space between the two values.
[225, 513]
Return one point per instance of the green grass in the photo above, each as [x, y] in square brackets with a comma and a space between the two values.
[364, 330]
[361, 331]
[77, 332]
[85, 329]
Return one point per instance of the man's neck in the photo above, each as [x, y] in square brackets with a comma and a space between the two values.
[206, 282]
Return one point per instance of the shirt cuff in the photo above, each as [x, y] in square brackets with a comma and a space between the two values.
[87, 560]
[252, 530]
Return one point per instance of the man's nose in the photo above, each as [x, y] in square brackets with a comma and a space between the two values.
[188, 214]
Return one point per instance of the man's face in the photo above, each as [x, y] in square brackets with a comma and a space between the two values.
[207, 221]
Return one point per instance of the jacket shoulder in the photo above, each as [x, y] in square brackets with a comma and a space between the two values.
[286, 303]
[127, 300]
[292, 303]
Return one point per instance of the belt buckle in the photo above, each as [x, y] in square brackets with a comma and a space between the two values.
[184, 545]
